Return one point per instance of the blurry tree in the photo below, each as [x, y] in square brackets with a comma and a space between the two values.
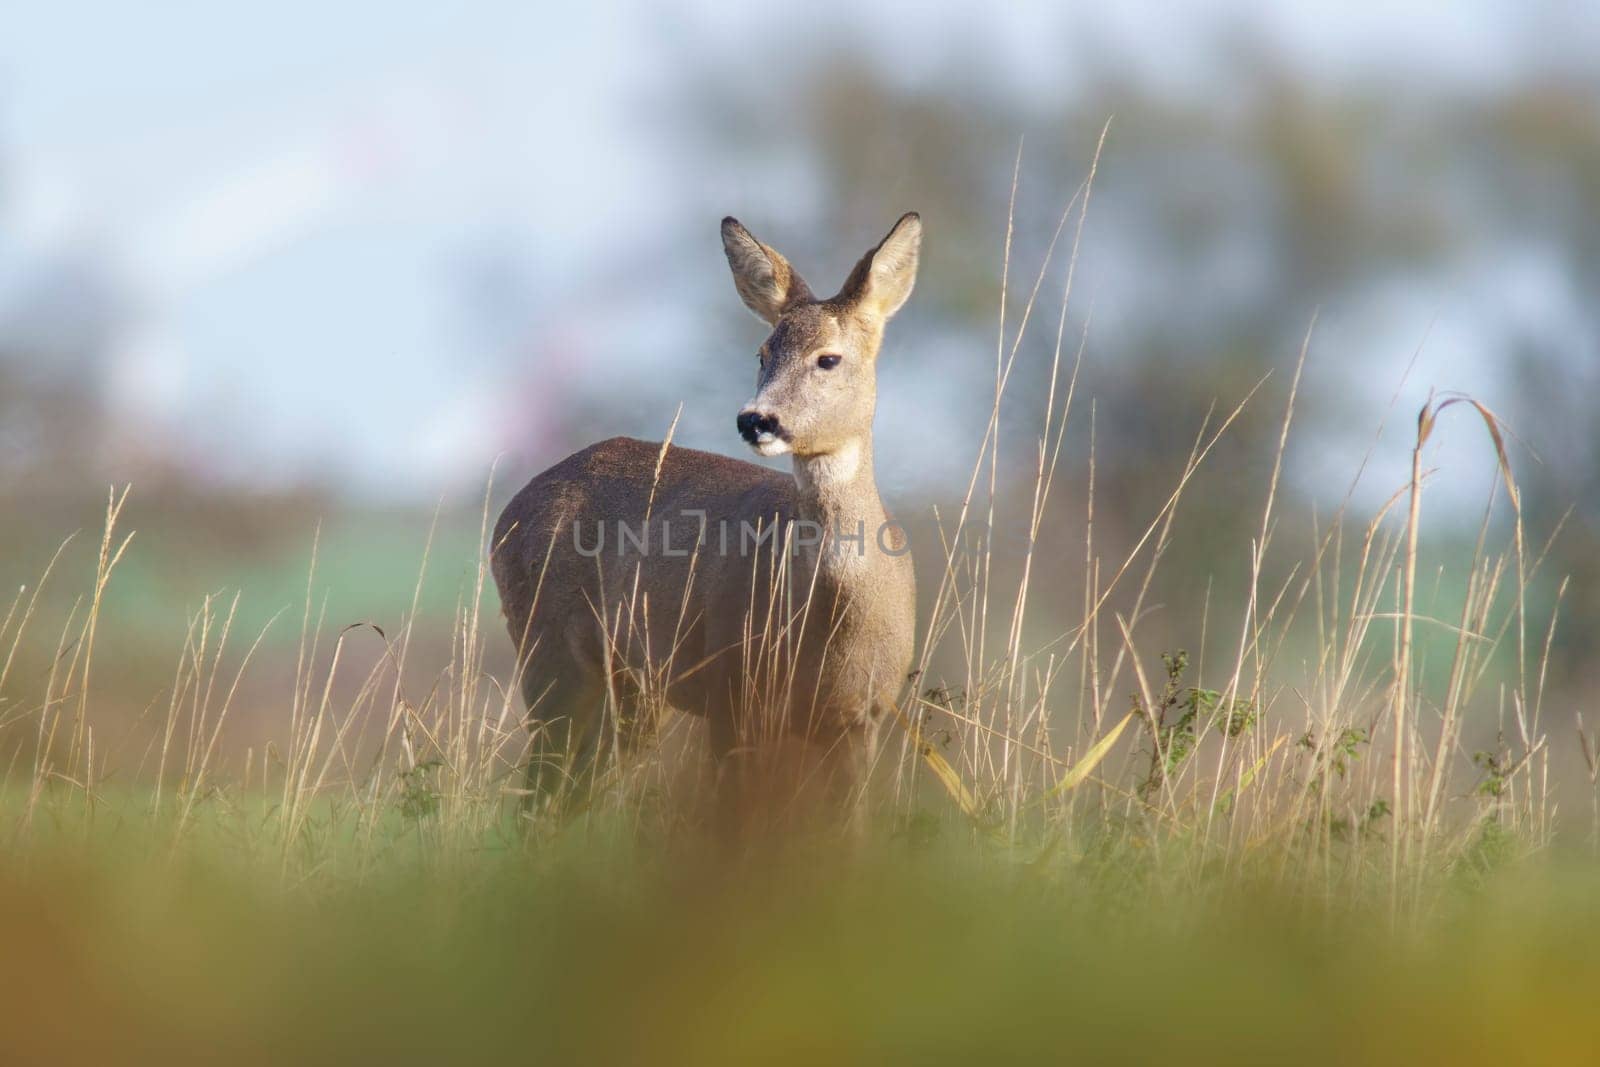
[54, 331]
[1218, 226]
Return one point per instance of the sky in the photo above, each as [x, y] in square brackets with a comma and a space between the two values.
[286, 197]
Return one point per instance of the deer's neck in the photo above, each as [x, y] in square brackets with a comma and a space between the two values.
[840, 495]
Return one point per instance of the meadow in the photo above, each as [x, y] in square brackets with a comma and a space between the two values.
[1345, 825]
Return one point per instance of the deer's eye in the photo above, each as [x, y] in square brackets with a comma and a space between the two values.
[828, 362]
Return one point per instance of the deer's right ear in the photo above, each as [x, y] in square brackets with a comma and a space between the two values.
[766, 283]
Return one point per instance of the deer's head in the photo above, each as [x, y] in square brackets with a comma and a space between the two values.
[817, 384]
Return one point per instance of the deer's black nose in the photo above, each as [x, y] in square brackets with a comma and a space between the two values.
[752, 424]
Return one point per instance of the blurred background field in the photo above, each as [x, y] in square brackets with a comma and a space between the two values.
[322, 285]
[275, 269]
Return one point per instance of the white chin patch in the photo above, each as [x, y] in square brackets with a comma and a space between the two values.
[769, 445]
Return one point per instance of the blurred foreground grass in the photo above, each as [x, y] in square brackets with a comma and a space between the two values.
[125, 943]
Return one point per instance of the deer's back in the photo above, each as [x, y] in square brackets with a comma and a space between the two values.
[556, 547]
[616, 481]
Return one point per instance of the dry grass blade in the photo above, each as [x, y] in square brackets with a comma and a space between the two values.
[1080, 771]
[946, 775]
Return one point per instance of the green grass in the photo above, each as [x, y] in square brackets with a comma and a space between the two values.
[124, 945]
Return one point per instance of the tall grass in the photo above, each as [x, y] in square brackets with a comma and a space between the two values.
[1316, 750]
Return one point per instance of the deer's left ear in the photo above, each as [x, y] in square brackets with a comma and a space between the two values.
[882, 281]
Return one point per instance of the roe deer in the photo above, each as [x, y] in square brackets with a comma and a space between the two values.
[762, 602]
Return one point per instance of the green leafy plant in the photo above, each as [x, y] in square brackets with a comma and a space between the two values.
[419, 798]
[1337, 754]
[1181, 715]
[1344, 828]
[1497, 767]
